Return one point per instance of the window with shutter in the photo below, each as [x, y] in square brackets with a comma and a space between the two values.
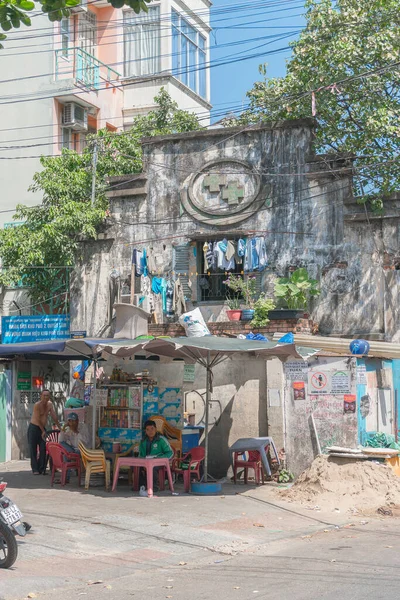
[181, 267]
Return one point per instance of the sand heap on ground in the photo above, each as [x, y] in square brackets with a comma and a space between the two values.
[331, 483]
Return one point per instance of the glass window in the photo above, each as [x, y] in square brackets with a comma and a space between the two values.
[87, 32]
[193, 66]
[202, 74]
[66, 138]
[184, 60]
[142, 42]
[176, 52]
[188, 55]
[65, 36]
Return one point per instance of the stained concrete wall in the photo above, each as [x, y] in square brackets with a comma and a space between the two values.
[301, 213]
[333, 425]
[238, 406]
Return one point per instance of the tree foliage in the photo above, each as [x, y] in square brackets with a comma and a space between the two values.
[15, 12]
[347, 57]
[50, 233]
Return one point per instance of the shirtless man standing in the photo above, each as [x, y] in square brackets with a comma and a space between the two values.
[37, 431]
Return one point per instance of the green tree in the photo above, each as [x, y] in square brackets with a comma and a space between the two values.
[50, 233]
[347, 57]
[15, 12]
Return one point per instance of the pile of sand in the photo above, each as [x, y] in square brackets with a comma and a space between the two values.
[337, 484]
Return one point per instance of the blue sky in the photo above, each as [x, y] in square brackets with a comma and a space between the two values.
[240, 29]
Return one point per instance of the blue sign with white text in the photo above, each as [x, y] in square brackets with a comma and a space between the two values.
[34, 328]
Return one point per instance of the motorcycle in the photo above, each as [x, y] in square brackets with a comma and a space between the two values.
[11, 524]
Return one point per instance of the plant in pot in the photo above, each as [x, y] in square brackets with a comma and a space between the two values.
[234, 312]
[294, 293]
[262, 307]
[245, 288]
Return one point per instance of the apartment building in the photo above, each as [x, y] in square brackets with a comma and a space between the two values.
[98, 68]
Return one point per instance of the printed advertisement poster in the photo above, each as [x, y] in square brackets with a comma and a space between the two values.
[170, 405]
[349, 403]
[299, 390]
[296, 370]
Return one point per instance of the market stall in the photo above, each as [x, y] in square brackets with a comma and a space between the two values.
[120, 407]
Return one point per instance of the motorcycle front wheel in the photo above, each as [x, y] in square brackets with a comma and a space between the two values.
[8, 547]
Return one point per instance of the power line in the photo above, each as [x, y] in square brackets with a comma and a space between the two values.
[69, 91]
[120, 22]
[278, 36]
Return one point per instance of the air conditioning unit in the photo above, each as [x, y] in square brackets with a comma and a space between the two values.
[82, 7]
[75, 117]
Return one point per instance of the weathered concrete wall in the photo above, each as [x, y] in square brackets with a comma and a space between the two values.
[238, 407]
[300, 211]
[334, 426]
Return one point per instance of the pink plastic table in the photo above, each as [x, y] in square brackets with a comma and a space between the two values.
[148, 464]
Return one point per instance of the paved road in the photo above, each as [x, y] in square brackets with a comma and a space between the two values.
[117, 547]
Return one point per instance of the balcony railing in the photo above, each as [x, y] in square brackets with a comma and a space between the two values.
[87, 70]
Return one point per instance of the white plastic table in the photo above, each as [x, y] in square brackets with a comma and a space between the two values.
[256, 443]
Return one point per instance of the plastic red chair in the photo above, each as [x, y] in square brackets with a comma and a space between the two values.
[192, 461]
[51, 436]
[253, 461]
[59, 463]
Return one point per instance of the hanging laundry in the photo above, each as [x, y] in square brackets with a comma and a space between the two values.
[159, 286]
[248, 263]
[145, 285]
[240, 251]
[255, 262]
[211, 257]
[146, 300]
[137, 260]
[255, 258]
[179, 298]
[205, 252]
[170, 299]
[230, 250]
[144, 262]
[261, 250]
[222, 262]
[151, 262]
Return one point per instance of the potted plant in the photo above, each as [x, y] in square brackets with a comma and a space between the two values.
[246, 289]
[294, 293]
[234, 311]
[262, 308]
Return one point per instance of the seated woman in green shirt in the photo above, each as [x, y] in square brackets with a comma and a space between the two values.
[155, 445]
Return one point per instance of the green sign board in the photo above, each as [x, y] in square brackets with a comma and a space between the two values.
[189, 373]
[24, 380]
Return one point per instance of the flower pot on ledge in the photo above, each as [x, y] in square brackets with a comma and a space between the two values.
[234, 314]
[285, 313]
[247, 314]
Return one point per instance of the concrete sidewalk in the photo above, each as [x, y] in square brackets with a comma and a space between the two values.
[80, 537]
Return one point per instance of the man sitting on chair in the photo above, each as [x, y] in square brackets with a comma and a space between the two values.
[153, 445]
[73, 433]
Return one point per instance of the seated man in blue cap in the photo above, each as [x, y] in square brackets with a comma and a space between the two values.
[73, 433]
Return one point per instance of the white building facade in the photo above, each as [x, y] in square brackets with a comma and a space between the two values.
[99, 68]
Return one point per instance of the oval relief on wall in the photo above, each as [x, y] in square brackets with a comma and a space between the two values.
[223, 192]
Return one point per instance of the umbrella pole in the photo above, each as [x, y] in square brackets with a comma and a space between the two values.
[94, 404]
[208, 386]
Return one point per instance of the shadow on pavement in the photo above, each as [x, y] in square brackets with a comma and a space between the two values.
[23, 479]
